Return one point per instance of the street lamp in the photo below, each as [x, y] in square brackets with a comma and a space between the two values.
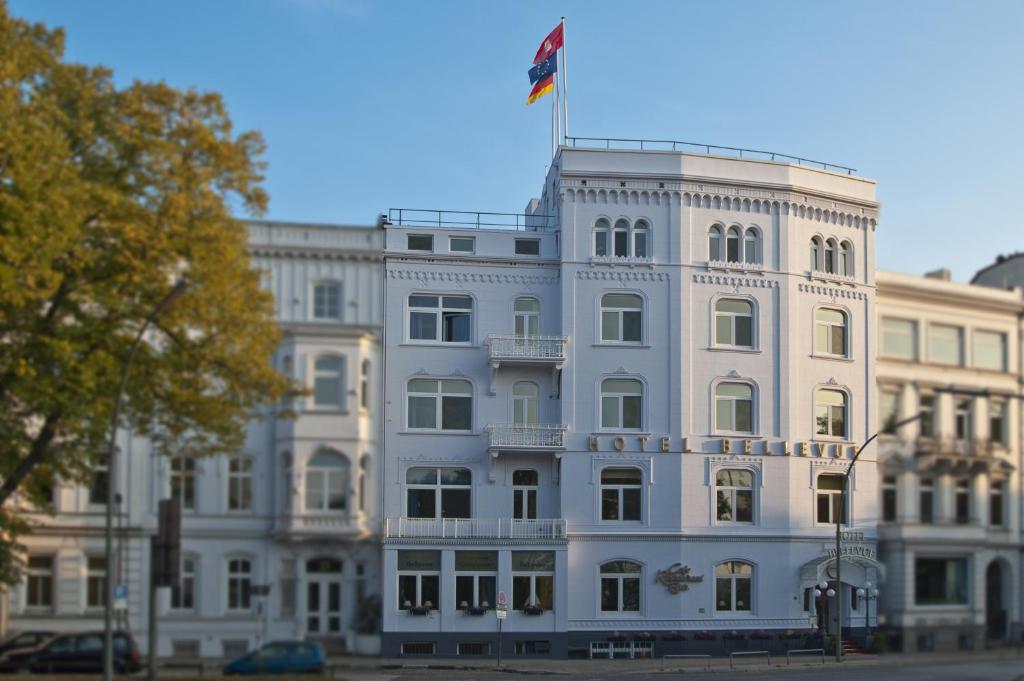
[108, 535]
[868, 593]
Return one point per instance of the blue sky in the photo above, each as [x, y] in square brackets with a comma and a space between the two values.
[370, 105]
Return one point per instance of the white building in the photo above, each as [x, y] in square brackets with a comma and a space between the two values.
[280, 540]
[630, 414]
[950, 482]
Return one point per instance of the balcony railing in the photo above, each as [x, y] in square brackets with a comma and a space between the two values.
[320, 523]
[549, 437]
[474, 528]
[467, 219]
[526, 348]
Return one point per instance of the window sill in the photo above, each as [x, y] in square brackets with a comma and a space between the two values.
[834, 358]
[617, 615]
[611, 344]
[831, 440]
[736, 266]
[426, 431]
[326, 412]
[621, 261]
[734, 348]
[735, 435]
[632, 433]
[428, 344]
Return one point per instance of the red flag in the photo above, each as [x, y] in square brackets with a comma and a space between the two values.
[550, 45]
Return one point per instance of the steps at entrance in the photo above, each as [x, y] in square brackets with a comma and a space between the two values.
[852, 648]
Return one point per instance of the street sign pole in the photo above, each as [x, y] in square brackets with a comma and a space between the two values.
[501, 612]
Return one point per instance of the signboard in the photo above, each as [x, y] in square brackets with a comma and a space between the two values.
[501, 612]
[120, 597]
[677, 578]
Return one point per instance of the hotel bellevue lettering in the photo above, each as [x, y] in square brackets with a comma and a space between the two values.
[664, 444]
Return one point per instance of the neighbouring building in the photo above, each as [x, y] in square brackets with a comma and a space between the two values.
[629, 411]
[280, 540]
[950, 522]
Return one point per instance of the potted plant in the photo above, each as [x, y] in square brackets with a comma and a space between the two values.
[704, 636]
[420, 609]
[673, 636]
[476, 610]
[533, 608]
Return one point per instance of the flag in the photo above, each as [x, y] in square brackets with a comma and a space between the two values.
[550, 45]
[544, 69]
[541, 88]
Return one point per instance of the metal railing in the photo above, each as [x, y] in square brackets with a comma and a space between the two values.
[474, 528]
[313, 521]
[805, 651]
[526, 347]
[734, 654]
[467, 219]
[706, 659]
[511, 436]
[709, 149]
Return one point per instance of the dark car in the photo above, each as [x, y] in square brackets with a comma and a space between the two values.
[26, 639]
[280, 657]
[75, 653]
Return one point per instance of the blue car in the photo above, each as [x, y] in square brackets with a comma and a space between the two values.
[280, 657]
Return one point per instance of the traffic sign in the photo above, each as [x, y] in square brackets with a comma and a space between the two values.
[501, 612]
[502, 599]
[120, 597]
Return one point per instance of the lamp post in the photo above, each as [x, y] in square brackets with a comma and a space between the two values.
[108, 535]
[869, 593]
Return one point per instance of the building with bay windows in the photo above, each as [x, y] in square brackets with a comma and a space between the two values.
[949, 527]
[279, 540]
[628, 410]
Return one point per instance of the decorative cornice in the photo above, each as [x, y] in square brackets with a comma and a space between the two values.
[315, 253]
[645, 623]
[621, 275]
[679, 537]
[458, 277]
[832, 292]
[734, 281]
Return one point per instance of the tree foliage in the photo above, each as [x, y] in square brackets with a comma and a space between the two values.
[105, 192]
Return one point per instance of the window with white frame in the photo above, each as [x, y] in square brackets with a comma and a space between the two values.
[620, 586]
[899, 338]
[440, 404]
[830, 256]
[830, 417]
[846, 259]
[889, 406]
[602, 236]
[751, 246]
[533, 580]
[926, 406]
[996, 503]
[621, 404]
[438, 492]
[525, 403]
[240, 483]
[419, 579]
[98, 485]
[476, 579]
[734, 323]
[962, 409]
[364, 385]
[39, 583]
[526, 312]
[527, 246]
[889, 498]
[525, 486]
[420, 242]
[329, 382]
[239, 584]
[962, 501]
[829, 507]
[815, 253]
[183, 482]
[926, 500]
[462, 244]
[327, 300]
[732, 244]
[641, 236]
[621, 318]
[945, 344]
[715, 243]
[621, 494]
[440, 319]
[327, 475]
[734, 408]
[733, 586]
[734, 495]
[989, 350]
[95, 581]
[620, 238]
[998, 429]
[183, 594]
[830, 332]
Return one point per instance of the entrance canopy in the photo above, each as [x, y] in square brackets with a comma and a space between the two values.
[856, 571]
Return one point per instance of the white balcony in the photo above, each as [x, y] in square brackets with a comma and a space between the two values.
[533, 438]
[543, 350]
[544, 529]
[321, 524]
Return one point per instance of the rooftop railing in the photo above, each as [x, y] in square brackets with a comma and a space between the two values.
[464, 219]
[709, 149]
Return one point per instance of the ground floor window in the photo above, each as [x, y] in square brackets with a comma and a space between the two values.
[418, 648]
[96, 582]
[39, 583]
[476, 579]
[533, 580]
[620, 586]
[533, 647]
[733, 586]
[474, 648]
[940, 581]
[419, 579]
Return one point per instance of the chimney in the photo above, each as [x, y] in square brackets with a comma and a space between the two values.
[942, 274]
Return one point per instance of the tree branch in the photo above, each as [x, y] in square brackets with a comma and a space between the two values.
[35, 455]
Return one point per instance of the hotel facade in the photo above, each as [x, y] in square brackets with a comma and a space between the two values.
[630, 417]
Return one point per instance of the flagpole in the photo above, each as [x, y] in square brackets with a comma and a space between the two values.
[565, 90]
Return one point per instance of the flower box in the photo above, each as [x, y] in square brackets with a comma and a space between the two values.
[533, 610]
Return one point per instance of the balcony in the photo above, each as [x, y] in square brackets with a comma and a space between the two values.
[516, 438]
[954, 456]
[538, 350]
[545, 529]
[321, 525]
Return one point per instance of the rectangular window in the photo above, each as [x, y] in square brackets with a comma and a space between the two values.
[889, 499]
[183, 593]
[240, 484]
[447, 402]
[418, 579]
[440, 319]
[889, 401]
[430, 490]
[996, 500]
[946, 344]
[989, 351]
[997, 422]
[462, 244]
[476, 579]
[533, 580]
[963, 502]
[940, 581]
[420, 242]
[927, 501]
[327, 301]
[473, 648]
[527, 246]
[830, 499]
[183, 482]
[899, 338]
[39, 583]
[239, 584]
[926, 405]
[96, 582]
[98, 485]
[417, 648]
[962, 419]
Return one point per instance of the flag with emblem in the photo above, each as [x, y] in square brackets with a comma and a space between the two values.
[551, 44]
[542, 77]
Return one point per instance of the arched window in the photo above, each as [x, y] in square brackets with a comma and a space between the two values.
[734, 408]
[641, 231]
[527, 316]
[438, 492]
[732, 245]
[815, 262]
[327, 482]
[183, 594]
[525, 403]
[734, 322]
[830, 332]
[846, 259]
[751, 246]
[830, 412]
[829, 507]
[602, 231]
[525, 485]
[239, 584]
[364, 385]
[621, 494]
[620, 238]
[621, 404]
[621, 318]
[327, 300]
[440, 404]
[733, 586]
[329, 381]
[620, 586]
[830, 256]
[715, 243]
[734, 495]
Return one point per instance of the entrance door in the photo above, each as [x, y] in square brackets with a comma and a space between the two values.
[323, 597]
[995, 612]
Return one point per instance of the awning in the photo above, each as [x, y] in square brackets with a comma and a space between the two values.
[856, 571]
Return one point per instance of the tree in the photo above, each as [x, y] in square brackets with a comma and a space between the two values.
[106, 193]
